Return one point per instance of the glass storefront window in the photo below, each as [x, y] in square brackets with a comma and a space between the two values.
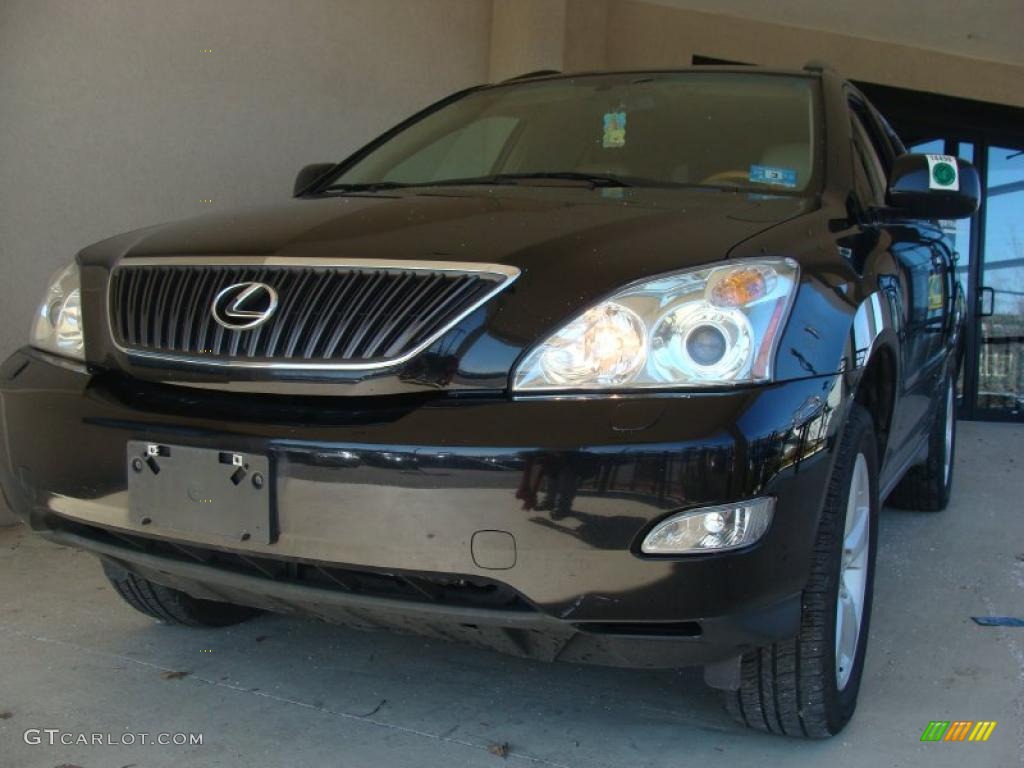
[1001, 292]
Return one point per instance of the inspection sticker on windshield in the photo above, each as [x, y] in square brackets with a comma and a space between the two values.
[614, 130]
[943, 173]
[768, 174]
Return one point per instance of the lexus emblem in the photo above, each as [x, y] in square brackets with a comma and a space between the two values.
[244, 305]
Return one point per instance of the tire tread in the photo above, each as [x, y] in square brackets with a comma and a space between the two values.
[172, 606]
[924, 488]
[781, 685]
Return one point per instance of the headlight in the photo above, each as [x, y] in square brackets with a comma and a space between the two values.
[700, 327]
[711, 529]
[58, 324]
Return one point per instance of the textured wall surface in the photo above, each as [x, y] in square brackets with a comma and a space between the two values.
[116, 114]
[526, 35]
[641, 34]
[978, 29]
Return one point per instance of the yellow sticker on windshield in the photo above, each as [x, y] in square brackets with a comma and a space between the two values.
[614, 130]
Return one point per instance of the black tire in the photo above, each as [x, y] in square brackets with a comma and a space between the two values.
[172, 606]
[791, 687]
[927, 487]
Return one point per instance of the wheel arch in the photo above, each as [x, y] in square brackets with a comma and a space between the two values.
[876, 389]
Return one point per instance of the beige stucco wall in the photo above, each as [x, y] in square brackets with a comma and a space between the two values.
[577, 35]
[975, 29]
[526, 35]
[113, 116]
[531, 35]
[641, 34]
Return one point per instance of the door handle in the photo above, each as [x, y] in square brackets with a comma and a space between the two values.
[981, 302]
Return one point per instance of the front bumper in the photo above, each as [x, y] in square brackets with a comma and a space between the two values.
[380, 506]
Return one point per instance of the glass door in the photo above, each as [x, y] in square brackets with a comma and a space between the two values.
[999, 331]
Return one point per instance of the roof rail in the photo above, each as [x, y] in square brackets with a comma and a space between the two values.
[536, 73]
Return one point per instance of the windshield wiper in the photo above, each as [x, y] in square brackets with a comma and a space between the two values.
[367, 187]
[595, 179]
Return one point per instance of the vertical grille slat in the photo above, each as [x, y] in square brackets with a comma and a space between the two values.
[216, 328]
[175, 316]
[189, 331]
[344, 324]
[203, 317]
[117, 290]
[146, 309]
[132, 313]
[283, 317]
[341, 292]
[401, 333]
[348, 314]
[380, 342]
[320, 284]
[433, 315]
[384, 302]
[159, 312]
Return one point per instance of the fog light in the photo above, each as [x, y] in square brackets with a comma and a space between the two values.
[711, 529]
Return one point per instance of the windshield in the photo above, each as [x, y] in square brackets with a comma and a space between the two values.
[733, 130]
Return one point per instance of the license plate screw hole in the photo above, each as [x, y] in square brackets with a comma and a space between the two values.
[146, 520]
[246, 536]
[137, 465]
[257, 481]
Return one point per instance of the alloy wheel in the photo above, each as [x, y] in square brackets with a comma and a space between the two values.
[853, 571]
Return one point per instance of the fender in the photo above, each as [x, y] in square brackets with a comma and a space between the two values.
[877, 322]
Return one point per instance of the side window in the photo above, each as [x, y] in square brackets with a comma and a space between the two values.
[868, 169]
[894, 141]
[877, 139]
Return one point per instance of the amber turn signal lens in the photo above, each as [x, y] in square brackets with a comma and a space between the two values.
[739, 288]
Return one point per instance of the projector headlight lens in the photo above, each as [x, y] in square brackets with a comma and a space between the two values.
[710, 326]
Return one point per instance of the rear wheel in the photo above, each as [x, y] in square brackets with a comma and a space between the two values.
[807, 686]
[172, 606]
[926, 488]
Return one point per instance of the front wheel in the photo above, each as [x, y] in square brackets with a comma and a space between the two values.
[172, 606]
[807, 686]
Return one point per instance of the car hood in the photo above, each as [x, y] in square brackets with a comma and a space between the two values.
[571, 244]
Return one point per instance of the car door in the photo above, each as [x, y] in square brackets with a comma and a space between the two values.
[916, 278]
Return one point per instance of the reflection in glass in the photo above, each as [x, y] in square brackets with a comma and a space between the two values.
[957, 233]
[1000, 373]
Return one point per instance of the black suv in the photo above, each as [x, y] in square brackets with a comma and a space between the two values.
[611, 368]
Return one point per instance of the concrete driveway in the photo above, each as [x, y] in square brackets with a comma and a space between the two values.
[286, 692]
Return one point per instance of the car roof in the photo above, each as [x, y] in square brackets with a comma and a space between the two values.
[810, 71]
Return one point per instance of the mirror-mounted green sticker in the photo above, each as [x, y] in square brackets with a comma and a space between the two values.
[943, 173]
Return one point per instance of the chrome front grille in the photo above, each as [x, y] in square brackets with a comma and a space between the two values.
[335, 314]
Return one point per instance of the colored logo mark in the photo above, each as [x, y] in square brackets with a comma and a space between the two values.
[944, 174]
[958, 730]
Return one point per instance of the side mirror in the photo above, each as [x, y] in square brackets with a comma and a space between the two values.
[933, 187]
[309, 175]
